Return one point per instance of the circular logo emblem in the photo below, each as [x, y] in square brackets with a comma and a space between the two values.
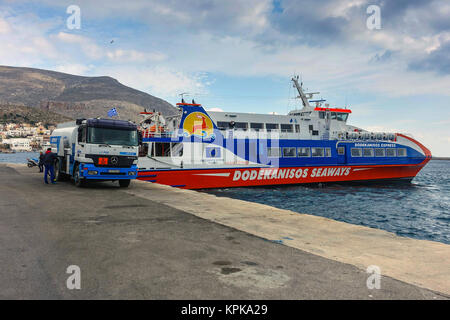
[114, 160]
[198, 123]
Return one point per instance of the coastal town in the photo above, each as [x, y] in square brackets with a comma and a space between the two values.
[24, 137]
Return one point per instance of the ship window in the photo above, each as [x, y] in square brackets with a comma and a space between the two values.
[273, 152]
[315, 132]
[342, 116]
[222, 125]
[303, 152]
[317, 152]
[212, 152]
[271, 126]
[161, 149]
[289, 152]
[368, 152]
[380, 152]
[333, 115]
[356, 152]
[321, 114]
[177, 149]
[390, 152]
[241, 125]
[341, 151]
[256, 126]
[297, 128]
[327, 152]
[286, 128]
[143, 149]
[401, 152]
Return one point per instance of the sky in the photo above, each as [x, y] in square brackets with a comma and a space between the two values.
[239, 55]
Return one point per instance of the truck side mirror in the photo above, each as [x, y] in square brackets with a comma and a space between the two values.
[80, 134]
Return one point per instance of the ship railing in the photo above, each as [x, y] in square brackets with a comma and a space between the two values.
[152, 134]
[365, 135]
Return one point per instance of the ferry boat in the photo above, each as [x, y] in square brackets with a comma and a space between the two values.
[198, 149]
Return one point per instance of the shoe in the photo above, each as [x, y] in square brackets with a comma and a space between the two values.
[46, 183]
[53, 182]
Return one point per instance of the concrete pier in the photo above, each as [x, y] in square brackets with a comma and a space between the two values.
[157, 242]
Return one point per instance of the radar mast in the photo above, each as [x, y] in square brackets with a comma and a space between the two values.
[304, 96]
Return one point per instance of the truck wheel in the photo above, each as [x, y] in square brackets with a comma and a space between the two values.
[124, 183]
[79, 182]
[59, 175]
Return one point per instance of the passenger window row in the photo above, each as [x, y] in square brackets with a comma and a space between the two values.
[244, 126]
[378, 152]
[302, 152]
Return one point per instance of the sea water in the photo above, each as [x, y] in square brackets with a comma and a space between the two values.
[420, 209]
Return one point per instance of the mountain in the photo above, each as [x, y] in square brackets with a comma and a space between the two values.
[75, 96]
[22, 114]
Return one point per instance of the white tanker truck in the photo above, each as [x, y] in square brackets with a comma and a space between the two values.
[96, 149]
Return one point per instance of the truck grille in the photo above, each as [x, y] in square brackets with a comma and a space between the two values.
[112, 174]
[112, 161]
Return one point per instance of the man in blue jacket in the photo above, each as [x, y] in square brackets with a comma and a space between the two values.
[41, 162]
[49, 160]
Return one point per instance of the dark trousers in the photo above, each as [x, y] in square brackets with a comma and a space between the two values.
[41, 167]
[49, 167]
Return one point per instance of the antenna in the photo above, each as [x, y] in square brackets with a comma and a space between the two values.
[301, 95]
[183, 94]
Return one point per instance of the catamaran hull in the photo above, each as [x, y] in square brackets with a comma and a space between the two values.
[248, 177]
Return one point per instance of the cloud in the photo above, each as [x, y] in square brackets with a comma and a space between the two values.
[76, 69]
[218, 16]
[166, 47]
[120, 55]
[163, 82]
[310, 22]
[85, 44]
[438, 60]
[382, 57]
[215, 109]
[4, 26]
[327, 41]
[23, 39]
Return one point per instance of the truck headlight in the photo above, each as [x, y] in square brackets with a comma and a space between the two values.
[131, 173]
[92, 173]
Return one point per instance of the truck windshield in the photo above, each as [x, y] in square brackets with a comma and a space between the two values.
[112, 136]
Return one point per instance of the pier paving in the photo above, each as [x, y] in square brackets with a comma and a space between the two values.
[156, 242]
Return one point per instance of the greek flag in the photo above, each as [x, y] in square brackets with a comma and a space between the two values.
[112, 112]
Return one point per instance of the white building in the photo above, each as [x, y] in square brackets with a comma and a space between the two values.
[18, 144]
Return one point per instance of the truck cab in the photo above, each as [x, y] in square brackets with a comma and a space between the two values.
[96, 149]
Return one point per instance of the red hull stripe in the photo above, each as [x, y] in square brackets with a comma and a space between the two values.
[246, 177]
